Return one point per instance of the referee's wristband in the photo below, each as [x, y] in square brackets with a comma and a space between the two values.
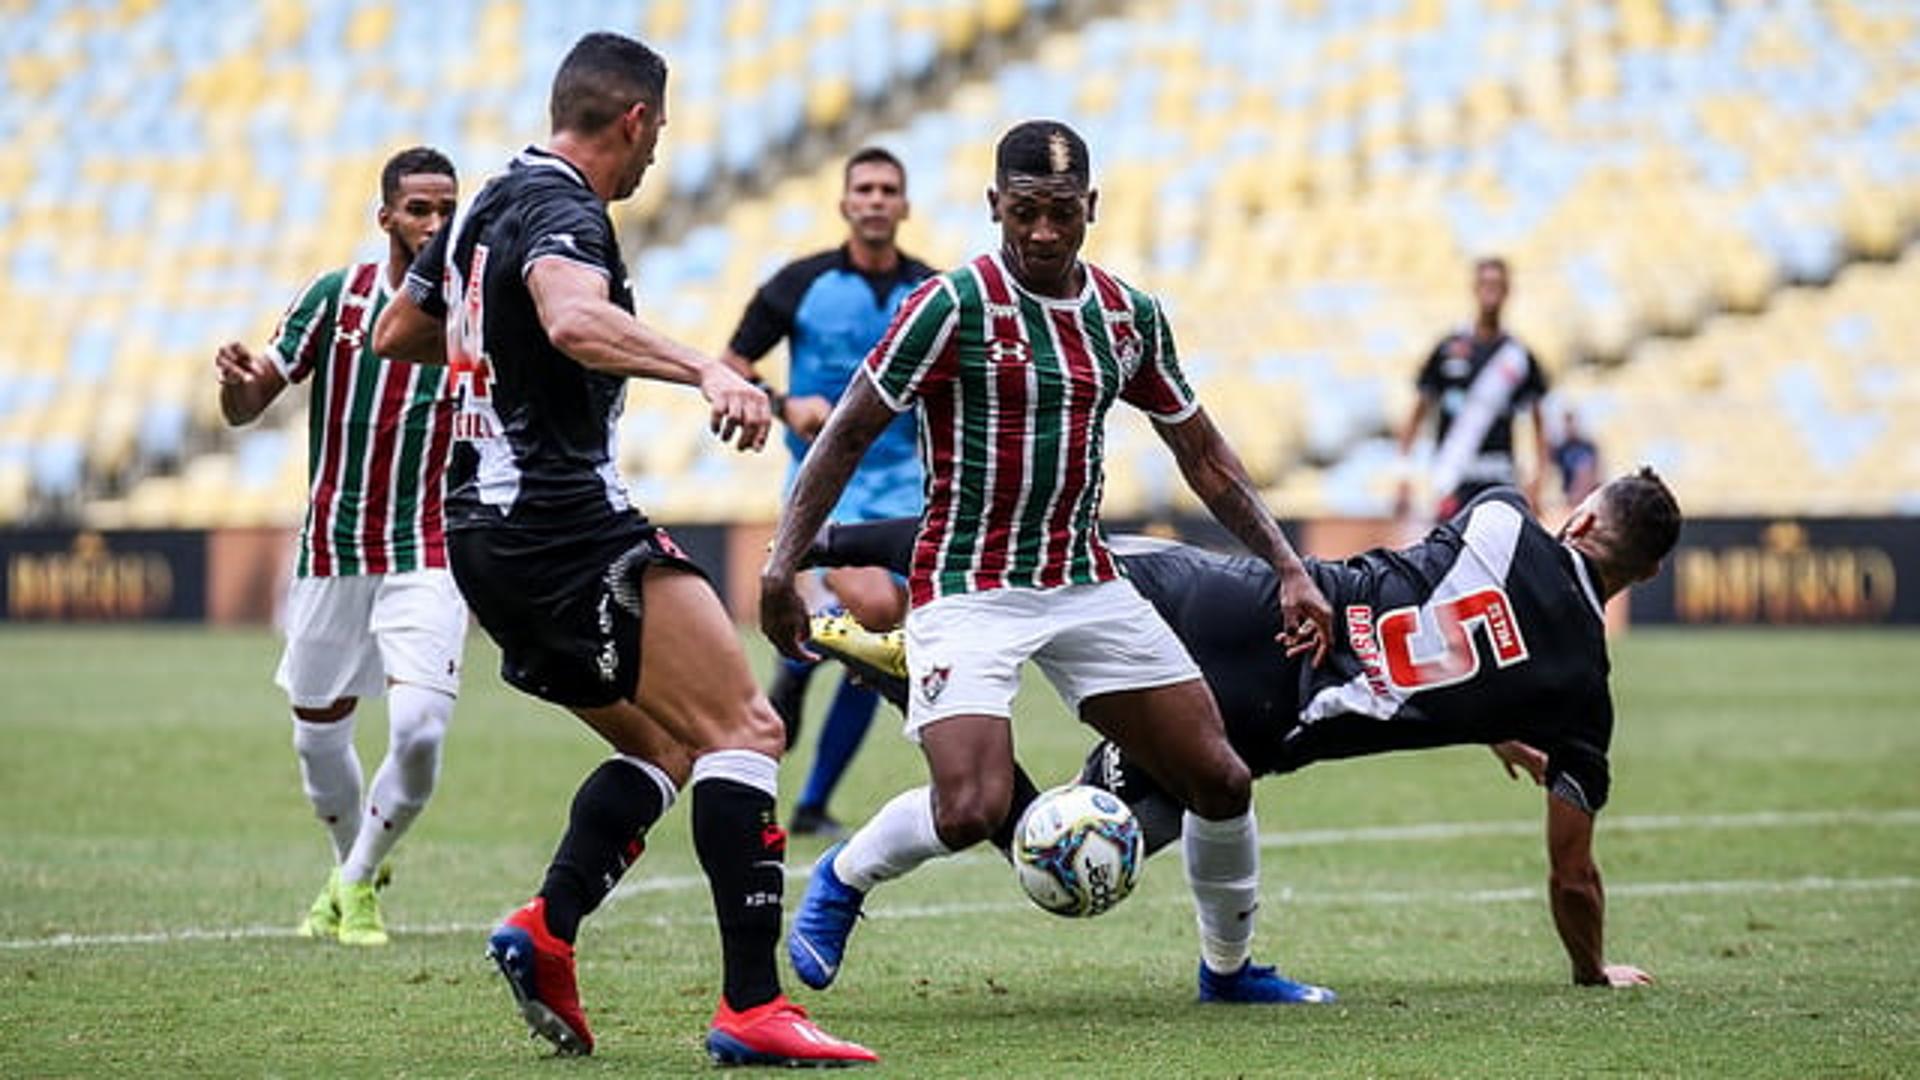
[775, 399]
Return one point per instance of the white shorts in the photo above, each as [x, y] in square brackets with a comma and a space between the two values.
[346, 636]
[964, 652]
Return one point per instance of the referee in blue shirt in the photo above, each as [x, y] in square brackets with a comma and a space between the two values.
[831, 307]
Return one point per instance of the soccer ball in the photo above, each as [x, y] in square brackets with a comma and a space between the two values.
[1077, 850]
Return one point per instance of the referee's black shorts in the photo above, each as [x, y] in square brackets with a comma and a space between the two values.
[564, 607]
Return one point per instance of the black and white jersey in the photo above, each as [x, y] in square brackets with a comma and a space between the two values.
[1489, 629]
[1477, 386]
[535, 430]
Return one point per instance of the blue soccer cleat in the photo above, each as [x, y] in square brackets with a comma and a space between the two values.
[1254, 985]
[818, 938]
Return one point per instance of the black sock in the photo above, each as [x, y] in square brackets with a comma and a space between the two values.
[605, 834]
[1023, 795]
[788, 694]
[741, 847]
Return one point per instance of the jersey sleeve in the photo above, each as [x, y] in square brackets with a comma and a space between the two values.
[768, 318]
[1534, 386]
[426, 275]
[1577, 769]
[917, 352]
[1427, 382]
[1158, 387]
[301, 338]
[565, 228]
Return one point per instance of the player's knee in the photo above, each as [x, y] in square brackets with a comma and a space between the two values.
[964, 817]
[417, 744]
[417, 726]
[756, 727]
[877, 609]
[1224, 792]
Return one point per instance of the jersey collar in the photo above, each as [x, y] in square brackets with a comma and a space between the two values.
[1585, 576]
[539, 157]
[1085, 295]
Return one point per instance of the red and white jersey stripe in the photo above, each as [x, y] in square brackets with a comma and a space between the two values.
[378, 433]
[1013, 390]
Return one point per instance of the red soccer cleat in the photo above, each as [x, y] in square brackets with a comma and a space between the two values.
[539, 970]
[778, 1033]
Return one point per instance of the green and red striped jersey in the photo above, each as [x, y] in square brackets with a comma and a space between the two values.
[378, 432]
[1012, 391]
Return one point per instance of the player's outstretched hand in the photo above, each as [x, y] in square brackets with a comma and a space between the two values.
[783, 617]
[741, 414]
[235, 364]
[1519, 758]
[1625, 975]
[1305, 617]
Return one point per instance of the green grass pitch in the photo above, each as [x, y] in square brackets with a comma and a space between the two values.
[1762, 855]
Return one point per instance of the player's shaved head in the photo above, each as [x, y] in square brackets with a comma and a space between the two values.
[1042, 148]
[602, 77]
[1641, 520]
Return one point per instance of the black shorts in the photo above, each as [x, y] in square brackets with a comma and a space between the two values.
[565, 608]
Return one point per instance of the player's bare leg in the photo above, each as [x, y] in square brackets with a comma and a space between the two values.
[694, 681]
[869, 594]
[970, 759]
[1177, 733]
[606, 833]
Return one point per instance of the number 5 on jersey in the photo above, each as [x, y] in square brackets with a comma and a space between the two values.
[1452, 622]
[467, 354]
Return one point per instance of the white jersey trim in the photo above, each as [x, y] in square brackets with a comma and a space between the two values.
[1489, 544]
[1586, 583]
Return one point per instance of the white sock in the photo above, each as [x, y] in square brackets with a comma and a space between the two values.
[330, 773]
[1223, 870]
[416, 726]
[897, 839]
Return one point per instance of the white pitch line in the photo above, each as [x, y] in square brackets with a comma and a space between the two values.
[1604, 824]
[1429, 832]
[911, 912]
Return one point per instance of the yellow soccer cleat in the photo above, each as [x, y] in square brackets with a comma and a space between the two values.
[878, 659]
[360, 922]
[323, 918]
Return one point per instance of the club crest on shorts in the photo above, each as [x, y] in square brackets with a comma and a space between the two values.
[934, 682]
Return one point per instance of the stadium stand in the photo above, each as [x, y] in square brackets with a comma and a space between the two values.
[1699, 201]
[171, 172]
[1306, 183]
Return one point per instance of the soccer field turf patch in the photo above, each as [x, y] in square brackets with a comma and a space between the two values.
[1760, 852]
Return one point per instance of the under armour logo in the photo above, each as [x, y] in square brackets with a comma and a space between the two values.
[1008, 352]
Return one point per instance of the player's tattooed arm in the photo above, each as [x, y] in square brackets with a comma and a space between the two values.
[248, 383]
[858, 420]
[1215, 473]
[1578, 900]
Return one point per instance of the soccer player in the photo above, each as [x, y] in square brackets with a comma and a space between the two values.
[1490, 630]
[593, 607]
[1475, 380]
[831, 307]
[372, 609]
[1012, 362]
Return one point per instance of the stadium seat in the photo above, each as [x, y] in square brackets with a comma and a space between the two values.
[1304, 182]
